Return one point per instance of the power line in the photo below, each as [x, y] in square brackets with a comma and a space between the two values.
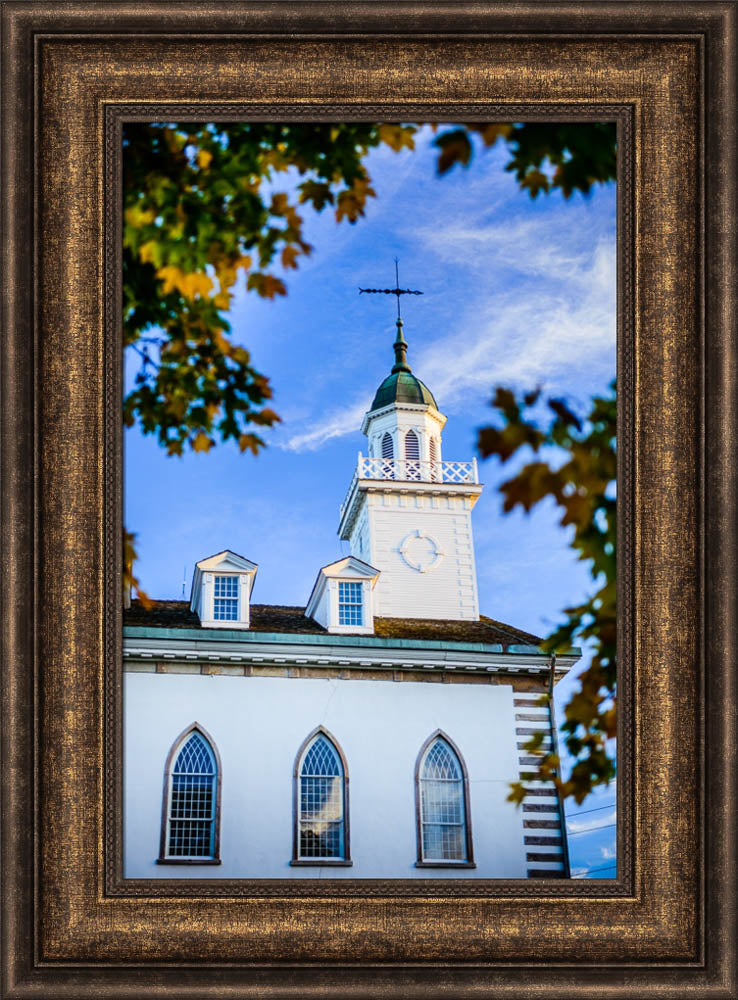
[589, 871]
[598, 809]
[576, 833]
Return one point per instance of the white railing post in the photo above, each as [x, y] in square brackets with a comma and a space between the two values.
[476, 473]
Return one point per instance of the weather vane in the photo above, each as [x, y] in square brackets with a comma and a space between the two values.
[392, 291]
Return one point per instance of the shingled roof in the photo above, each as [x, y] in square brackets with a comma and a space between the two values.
[286, 619]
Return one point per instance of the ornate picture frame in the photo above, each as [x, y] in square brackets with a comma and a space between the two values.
[73, 927]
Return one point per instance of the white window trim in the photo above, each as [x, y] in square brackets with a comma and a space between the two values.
[367, 612]
[208, 619]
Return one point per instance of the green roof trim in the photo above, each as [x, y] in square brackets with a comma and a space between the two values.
[321, 639]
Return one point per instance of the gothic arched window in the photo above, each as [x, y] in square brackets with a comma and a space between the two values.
[191, 811]
[412, 448]
[321, 803]
[442, 798]
[388, 450]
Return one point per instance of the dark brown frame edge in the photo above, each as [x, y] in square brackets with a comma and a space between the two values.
[715, 976]
[296, 860]
[420, 862]
[622, 886]
[194, 727]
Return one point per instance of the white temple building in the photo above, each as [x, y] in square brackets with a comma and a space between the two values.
[373, 733]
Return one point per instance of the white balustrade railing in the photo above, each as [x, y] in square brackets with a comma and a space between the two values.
[412, 471]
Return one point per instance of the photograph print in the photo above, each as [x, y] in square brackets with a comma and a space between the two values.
[370, 510]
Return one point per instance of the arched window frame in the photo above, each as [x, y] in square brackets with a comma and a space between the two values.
[346, 861]
[387, 437]
[180, 741]
[421, 863]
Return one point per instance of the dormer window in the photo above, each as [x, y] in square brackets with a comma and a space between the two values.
[342, 598]
[349, 603]
[225, 600]
[221, 590]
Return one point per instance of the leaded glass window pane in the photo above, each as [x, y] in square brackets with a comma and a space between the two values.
[349, 603]
[321, 832]
[442, 813]
[225, 599]
[192, 801]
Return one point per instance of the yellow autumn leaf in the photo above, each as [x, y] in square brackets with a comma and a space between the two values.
[138, 217]
[171, 277]
[249, 441]
[177, 407]
[226, 276]
[396, 137]
[189, 285]
[221, 342]
[289, 257]
[222, 300]
[202, 442]
[203, 158]
[279, 203]
[196, 285]
[150, 253]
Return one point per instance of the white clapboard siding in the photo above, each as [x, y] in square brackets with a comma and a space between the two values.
[448, 589]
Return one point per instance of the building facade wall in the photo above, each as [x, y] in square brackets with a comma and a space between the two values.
[258, 724]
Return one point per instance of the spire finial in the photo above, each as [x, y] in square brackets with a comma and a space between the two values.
[400, 344]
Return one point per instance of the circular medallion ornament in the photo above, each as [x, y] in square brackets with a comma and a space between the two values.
[420, 551]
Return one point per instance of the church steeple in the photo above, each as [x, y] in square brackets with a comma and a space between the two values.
[408, 512]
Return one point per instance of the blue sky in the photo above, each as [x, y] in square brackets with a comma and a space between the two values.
[515, 292]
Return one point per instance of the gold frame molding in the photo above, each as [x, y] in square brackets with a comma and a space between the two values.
[72, 72]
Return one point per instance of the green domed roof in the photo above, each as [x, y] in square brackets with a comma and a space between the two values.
[402, 387]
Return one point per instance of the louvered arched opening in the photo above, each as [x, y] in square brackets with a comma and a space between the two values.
[412, 456]
[388, 453]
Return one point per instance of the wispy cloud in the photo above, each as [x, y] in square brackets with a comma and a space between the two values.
[340, 422]
[536, 330]
[608, 853]
[539, 306]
